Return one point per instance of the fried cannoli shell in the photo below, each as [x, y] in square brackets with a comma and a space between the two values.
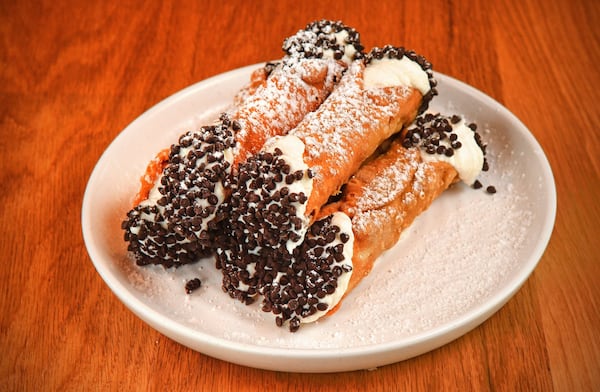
[337, 147]
[281, 101]
[178, 221]
[153, 171]
[266, 92]
[384, 197]
[258, 78]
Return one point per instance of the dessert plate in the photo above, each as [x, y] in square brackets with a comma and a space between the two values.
[459, 262]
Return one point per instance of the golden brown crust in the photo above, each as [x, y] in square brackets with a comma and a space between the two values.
[153, 171]
[280, 102]
[384, 198]
[337, 145]
[257, 78]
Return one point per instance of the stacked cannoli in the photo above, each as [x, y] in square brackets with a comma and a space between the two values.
[381, 200]
[324, 159]
[279, 191]
[174, 218]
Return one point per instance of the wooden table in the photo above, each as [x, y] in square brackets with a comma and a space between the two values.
[74, 74]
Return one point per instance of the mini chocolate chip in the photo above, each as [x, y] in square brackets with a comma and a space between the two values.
[485, 166]
[294, 324]
[192, 285]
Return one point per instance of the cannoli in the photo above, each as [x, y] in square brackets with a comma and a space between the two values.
[174, 223]
[315, 59]
[257, 78]
[280, 190]
[378, 203]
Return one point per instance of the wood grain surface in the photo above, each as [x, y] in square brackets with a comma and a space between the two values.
[73, 74]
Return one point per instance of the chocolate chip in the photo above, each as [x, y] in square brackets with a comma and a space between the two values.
[192, 285]
[294, 324]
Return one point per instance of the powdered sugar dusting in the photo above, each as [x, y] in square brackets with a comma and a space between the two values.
[388, 185]
[417, 186]
[432, 276]
[346, 116]
[363, 219]
[291, 91]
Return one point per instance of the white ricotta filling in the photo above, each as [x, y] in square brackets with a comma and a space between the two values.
[343, 221]
[388, 72]
[467, 160]
[292, 149]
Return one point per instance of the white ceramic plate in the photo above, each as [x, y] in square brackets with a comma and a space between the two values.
[453, 268]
